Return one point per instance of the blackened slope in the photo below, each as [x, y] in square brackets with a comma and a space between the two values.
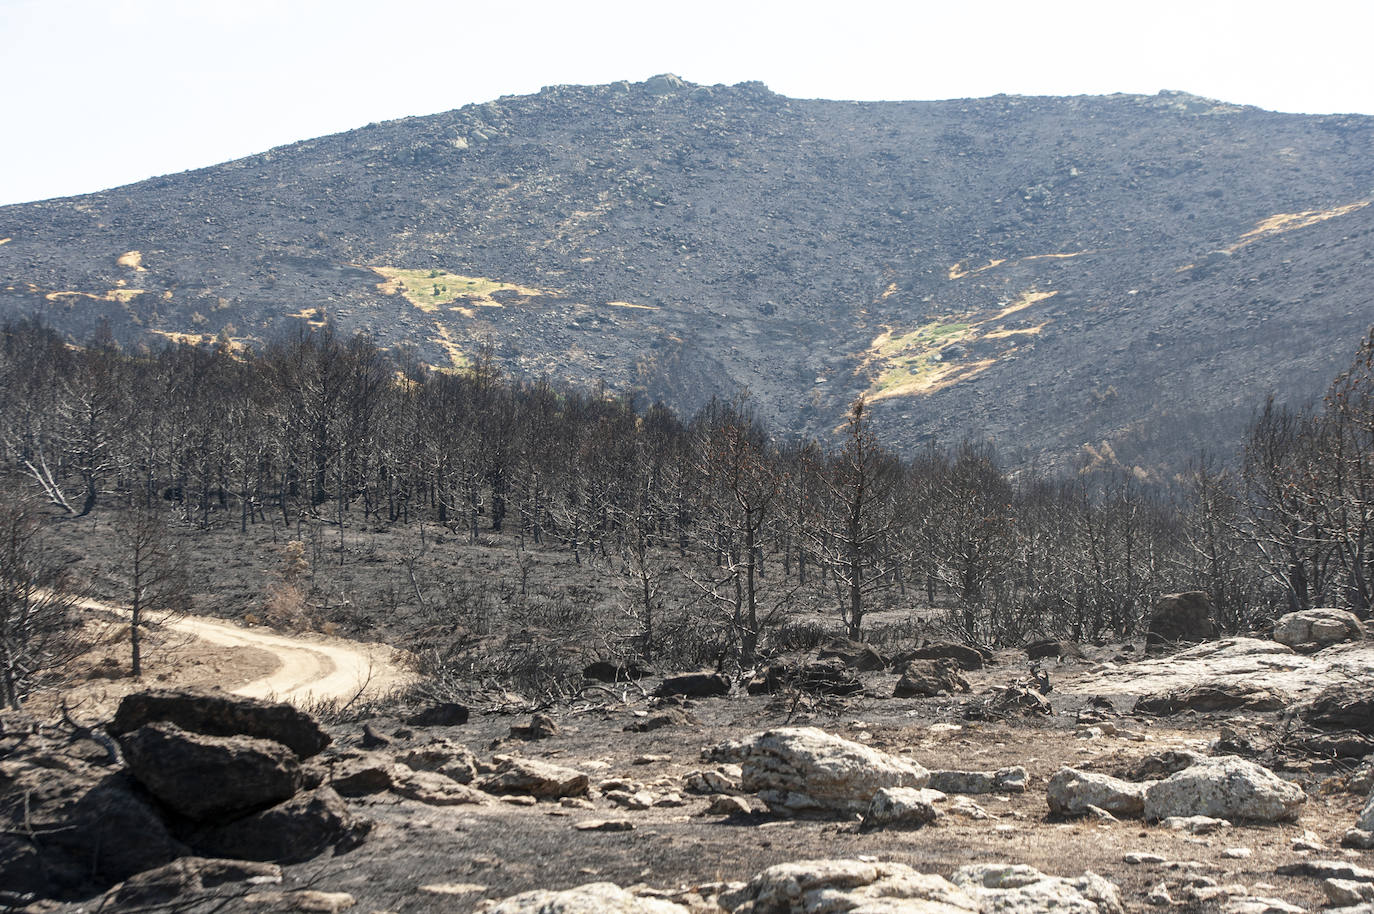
[768, 243]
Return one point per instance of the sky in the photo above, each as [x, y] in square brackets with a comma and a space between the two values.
[101, 93]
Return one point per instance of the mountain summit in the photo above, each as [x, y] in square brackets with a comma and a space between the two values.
[1048, 273]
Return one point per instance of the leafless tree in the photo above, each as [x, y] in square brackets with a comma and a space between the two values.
[40, 626]
[152, 574]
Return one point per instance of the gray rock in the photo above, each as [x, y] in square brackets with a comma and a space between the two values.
[300, 829]
[534, 778]
[434, 789]
[1002, 888]
[928, 678]
[205, 777]
[824, 886]
[1136, 858]
[1218, 695]
[1160, 765]
[1226, 787]
[448, 757]
[726, 805]
[1326, 869]
[593, 898]
[797, 769]
[1256, 904]
[1195, 825]
[694, 685]
[968, 658]
[363, 774]
[1313, 629]
[1180, 618]
[664, 84]
[724, 779]
[1362, 838]
[902, 807]
[1003, 780]
[1070, 792]
[1343, 706]
[216, 713]
[1344, 892]
[70, 830]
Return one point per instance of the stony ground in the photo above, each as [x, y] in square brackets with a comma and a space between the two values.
[422, 857]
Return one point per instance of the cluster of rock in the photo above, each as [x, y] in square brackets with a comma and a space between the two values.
[826, 886]
[202, 774]
[1224, 787]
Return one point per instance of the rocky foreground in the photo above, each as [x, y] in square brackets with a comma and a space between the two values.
[977, 790]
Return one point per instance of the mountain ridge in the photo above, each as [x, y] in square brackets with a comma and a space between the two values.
[1046, 273]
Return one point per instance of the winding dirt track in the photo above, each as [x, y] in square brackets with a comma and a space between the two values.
[309, 670]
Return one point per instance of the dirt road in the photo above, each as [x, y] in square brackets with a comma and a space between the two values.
[309, 669]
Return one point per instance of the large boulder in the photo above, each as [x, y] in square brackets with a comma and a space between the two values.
[532, 777]
[204, 777]
[1071, 792]
[69, 830]
[593, 898]
[300, 829]
[1313, 629]
[902, 807]
[1225, 787]
[216, 713]
[1217, 695]
[1344, 706]
[803, 769]
[928, 678]
[968, 658]
[1180, 618]
[694, 685]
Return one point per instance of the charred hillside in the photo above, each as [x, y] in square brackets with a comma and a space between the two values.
[1044, 272]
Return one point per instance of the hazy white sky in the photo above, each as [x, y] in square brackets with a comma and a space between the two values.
[104, 92]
